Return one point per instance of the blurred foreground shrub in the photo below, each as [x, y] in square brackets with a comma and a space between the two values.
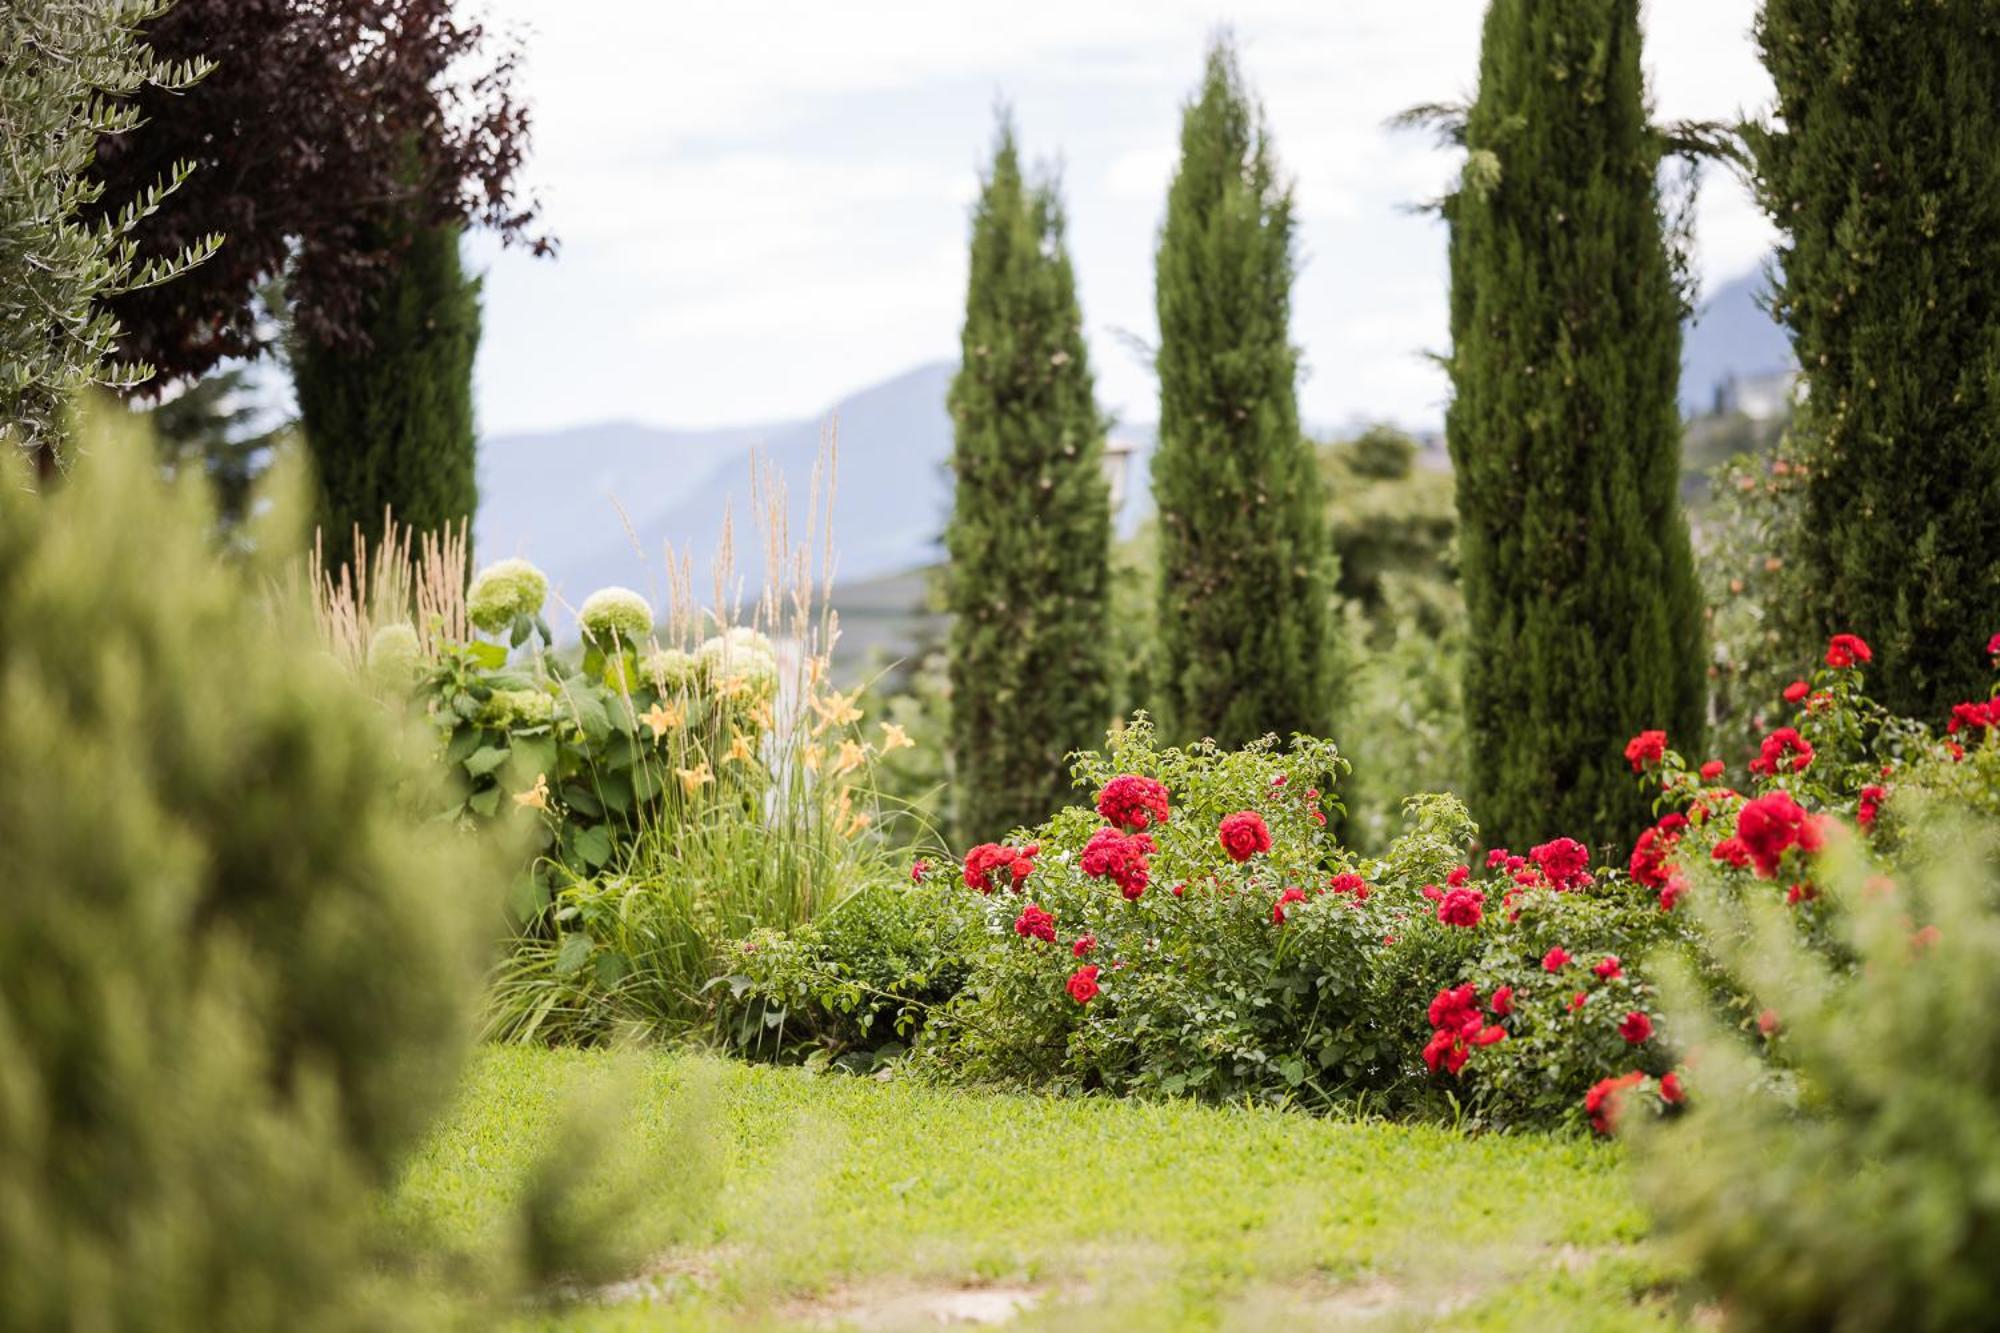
[237, 977]
[1843, 1171]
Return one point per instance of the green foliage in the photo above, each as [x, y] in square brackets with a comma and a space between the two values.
[1247, 637]
[237, 972]
[389, 422]
[1881, 168]
[65, 65]
[853, 988]
[1394, 525]
[1839, 1171]
[1584, 612]
[1759, 609]
[1030, 532]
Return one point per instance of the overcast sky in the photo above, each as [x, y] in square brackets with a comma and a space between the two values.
[763, 206]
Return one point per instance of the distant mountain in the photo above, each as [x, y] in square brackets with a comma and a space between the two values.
[564, 498]
[1731, 337]
[598, 505]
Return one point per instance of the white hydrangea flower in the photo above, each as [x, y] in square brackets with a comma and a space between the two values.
[394, 653]
[504, 590]
[615, 615]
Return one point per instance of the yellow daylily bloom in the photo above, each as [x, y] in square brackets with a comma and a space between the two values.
[537, 796]
[811, 757]
[860, 821]
[836, 710]
[731, 686]
[662, 718]
[741, 749]
[693, 779]
[851, 757]
[895, 738]
[761, 718]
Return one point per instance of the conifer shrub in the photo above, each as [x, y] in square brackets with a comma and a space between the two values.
[238, 968]
[1030, 533]
[1584, 612]
[1247, 639]
[1880, 166]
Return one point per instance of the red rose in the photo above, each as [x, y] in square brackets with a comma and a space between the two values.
[1783, 750]
[1767, 1022]
[1608, 968]
[1244, 834]
[1924, 939]
[1646, 749]
[1496, 858]
[1800, 893]
[1671, 1091]
[1870, 805]
[1132, 802]
[1083, 986]
[918, 869]
[1555, 959]
[1993, 646]
[1503, 1001]
[1767, 826]
[1602, 1102]
[1564, 863]
[1978, 716]
[1733, 851]
[1278, 907]
[1349, 882]
[1635, 1027]
[1459, 874]
[1844, 650]
[1084, 944]
[1796, 691]
[1672, 892]
[990, 866]
[1578, 1000]
[1034, 923]
[1712, 770]
[1462, 907]
[1120, 858]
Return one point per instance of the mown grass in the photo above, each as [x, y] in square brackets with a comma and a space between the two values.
[773, 1198]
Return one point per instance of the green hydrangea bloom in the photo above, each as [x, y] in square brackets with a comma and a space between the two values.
[671, 670]
[504, 590]
[394, 653]
[518, 708]
[615, 615]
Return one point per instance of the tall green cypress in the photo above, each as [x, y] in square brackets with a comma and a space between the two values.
[1030, 533]
[1584, 611]
[1883, 173]
[1245, 596]
[390, 424]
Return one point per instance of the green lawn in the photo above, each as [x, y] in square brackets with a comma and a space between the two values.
[773, 1198]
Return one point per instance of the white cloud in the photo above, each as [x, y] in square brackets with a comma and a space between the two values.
[763, 204]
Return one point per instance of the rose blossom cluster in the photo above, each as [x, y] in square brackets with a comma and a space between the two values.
[990, 866]
[1458, 1025]
[1133, 803]
[1120, 858]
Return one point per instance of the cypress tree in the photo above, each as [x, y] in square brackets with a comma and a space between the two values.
[1030, 530]
[1584, 611]
[1883, 173]
[1245, 594]
[389, 423]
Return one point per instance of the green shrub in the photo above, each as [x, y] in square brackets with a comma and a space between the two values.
[854, 987]
[1838, 1171]
[237, 970]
